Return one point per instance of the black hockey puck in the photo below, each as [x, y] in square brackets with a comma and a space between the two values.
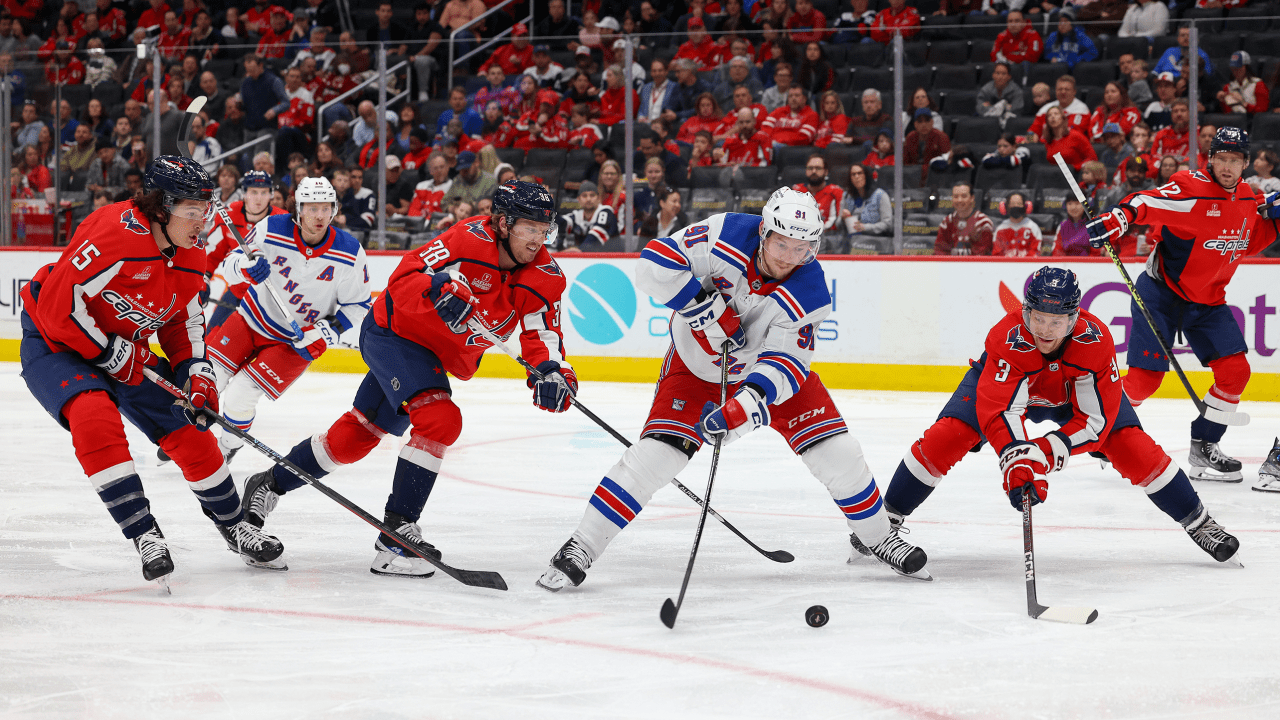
[816, 616]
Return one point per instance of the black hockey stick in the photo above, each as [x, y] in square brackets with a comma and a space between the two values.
[475, 578]
[779, 556]
[1073, 615]
[670, 609]
[184, 131]
[1211, 414]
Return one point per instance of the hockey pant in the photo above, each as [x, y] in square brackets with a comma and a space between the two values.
[1230, 376]
[836, 461]
[248, 366]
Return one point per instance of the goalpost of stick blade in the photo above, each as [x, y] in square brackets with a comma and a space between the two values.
[1211, 414]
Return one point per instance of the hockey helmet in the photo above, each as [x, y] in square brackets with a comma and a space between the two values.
[178, 178]
[255, 179]
[1230, 139]
[793, 214]
[519, 199]
[316, 190]
[1053, 291]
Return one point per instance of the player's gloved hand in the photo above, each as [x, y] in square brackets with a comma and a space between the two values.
[124, 360]
[201, 388]
[713, 322]
[1270, 211]
[257, 272]
[557, 385]
[1056, 448]
[1111, 224]
[1024, 465]
[315, 340]
[453, 300]
[744, 412]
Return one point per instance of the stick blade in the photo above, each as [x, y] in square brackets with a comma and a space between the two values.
[1226, 418]
[668, 614]
[197, 105]
[478, 578]
[780, 556]
[1071, 615]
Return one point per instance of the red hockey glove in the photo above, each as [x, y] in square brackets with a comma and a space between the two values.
[124, 360]
[1024, 465]
[202, 392]
[453, 300]
[713, 322]
[557, 385]
[315, 340]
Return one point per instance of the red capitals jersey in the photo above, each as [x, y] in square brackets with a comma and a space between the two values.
[708, 54]
[586, 136]
[259, 21]
[1082, 373]
[301, 112]
[1026, 46]
[511, 60]
[755, 151]
[427, 196]
[173, 47]
[1171, 142]
[829, 197]
[792, 128]
[1206, 231]
[112, 280]
[528, 296]
[221, 242]
[70, 74]
[730, 121]
[272, 45]
[1017, 238]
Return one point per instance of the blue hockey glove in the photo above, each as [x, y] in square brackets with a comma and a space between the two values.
[1270, 211]
[558, 384]
[744, 412]
[453, 300]
[1111, 224]
[257, 272]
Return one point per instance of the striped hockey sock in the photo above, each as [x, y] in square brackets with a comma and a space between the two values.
[120, 489]
[416, 473]
[217, 494]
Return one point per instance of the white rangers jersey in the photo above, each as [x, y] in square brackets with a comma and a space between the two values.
[329, 280]
[780, 319]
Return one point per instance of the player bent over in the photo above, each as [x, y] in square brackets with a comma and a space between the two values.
[134, 269]
[1051, 362]
[244, 214]
[320, 273]
[1209, 221]
[490, 270]
[754, 283]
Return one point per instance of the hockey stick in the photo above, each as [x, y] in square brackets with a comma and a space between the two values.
[779, 556]
[1211, 414]
[184, 149]
[1073, 615]
[670, 609]
[475, 578]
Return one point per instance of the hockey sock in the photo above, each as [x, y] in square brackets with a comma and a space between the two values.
[1230, 376]
[437, 423]
[346, 441]
[1177, 498]
[1140, 384]
[239, 403]
[928, 461]
[103, 451]
[624, 491]
[839, 464]
[207, 475]
[120, 489]
[1142, 462]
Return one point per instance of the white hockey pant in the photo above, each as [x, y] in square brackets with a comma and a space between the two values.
[239, 398]
[839, 464]
[624, 491]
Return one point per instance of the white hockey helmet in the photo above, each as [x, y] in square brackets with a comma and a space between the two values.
[796, 215]
[316, 190]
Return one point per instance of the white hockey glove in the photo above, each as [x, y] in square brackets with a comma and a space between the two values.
[316, 339]
[713, 321]
[744, 412]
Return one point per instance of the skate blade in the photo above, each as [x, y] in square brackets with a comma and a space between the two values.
[921, 574]
[163, 581]
[1267, 484]
[389, 564]
[278, 565]
[1234, 561]
[1211, 476]
[548, 588]
[411, 576]
[555, 581]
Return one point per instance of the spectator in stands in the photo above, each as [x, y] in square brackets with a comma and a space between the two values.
[807, 25]
[429, 193]
[61, 33]
[1117, 149]
[33, 167]
[384, 31]
[816, 74]
[649, 145]
[427, 39]
[1116, 108]
[668, 219]
[658, 97]
[740, 75]
[557, 26]
[260, 92]
[776, 96]
[1072, 239]
[701, 155]
[1139, 87]
[498, 89]
[206, 42]
[543, 70]
[612, 191]
[924, 142]
[1019, 42]
[1174, 139]
[17, 80]
[707, 118]
[774, 48]
[747, 146]
[1069, 44]
[863, 127]
[408, 123]
[359, 205]
[794, 124]
[1060, 137]
[865, 209]
[64, 68]
[122, 137]
[228, 179]
[882, 152]
[1135, 171]
[898, 16]
[275, 40]
[654, 29]
[689, 86]
[65, 120]
[1074, 110]
[1093, 182]
[921, 99]
[470, 184]
[584, 132]
[1008, 154]
[1000, 98]
[99, 68]
[78, 155]
[174, 39]
[472, 123]
[107, 168]
[701, 48]
[1159, 113]
[1041, 95]
[1204, 139]
[1264, 163]
[774, 11]
[205, 148]
[1147, 18]
[1018, 235]
[648, 192]
[1140, 140]
[514, 57]
[27, 132]
[1168, 168]
[965, 231]
[1244, 93]
[693, 9]
[326, 161]
[1171, 60]
[833, 124]
[591, 225]
[613, 101]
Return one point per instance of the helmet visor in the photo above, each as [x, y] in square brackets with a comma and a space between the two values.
[190, 210]
[790, 250]
[1048, 326]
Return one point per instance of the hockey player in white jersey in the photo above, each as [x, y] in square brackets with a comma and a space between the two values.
[320, 273]
[754, 283]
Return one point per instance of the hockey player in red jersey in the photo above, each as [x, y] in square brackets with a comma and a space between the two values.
[1209, 221]
[492, 270]
[135, 269]
[1050, 362]
[246, 213]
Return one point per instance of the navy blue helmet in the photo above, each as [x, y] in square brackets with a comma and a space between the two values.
[1054, 291]
[1230, 139]
[179, 178]
[518, 199]
[255, 178]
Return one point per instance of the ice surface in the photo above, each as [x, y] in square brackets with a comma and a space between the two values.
[83, 636]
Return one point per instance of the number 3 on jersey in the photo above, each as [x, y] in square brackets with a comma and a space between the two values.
[1003, 374]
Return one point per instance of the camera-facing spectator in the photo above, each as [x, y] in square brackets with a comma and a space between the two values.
[1244, 93]
[966, 231]
[1018, 235]
[865, 209]
[1000, 97]
[668, 219]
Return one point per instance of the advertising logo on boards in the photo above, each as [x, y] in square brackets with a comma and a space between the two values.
[602, 304]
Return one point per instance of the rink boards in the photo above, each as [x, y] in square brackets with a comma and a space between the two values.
[896, 323]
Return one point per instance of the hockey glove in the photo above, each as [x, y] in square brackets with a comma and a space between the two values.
[315, 340]
[124, 360]
[1270, 211]
[453, 300]
[201, 388]
[1111, 224]
[1024, 465]
[257, 272]
[557, 386]
[744, 412]
[713, 322]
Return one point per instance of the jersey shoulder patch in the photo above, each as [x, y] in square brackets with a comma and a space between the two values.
[130, 220]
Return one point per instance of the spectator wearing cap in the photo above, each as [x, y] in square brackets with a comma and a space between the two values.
[1146, 18]
[794, 124]
[64, 68]
[542, 69]
[1069, 44]
[700, 48]
[1001, 96]
[470, 185]
[591, 225]
[1171, 60]
[557, 27]
[399, 187]
[1158, 114]
[695, 9]
[924, 142]
[107, 169]
[898, 16]
[515, 56]
[1117, 149]
[426, 40]
[1245, 93]
[1075, 111]
[1115, 108]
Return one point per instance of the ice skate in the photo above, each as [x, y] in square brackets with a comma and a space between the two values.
[1208, 462]
[1269, 473]
[255, 547]
[568, 567]
[228, 454]
[1215, 540]
[860, 549]
[259, 498]
[906, 559]
[157, 564]
[393, 559]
